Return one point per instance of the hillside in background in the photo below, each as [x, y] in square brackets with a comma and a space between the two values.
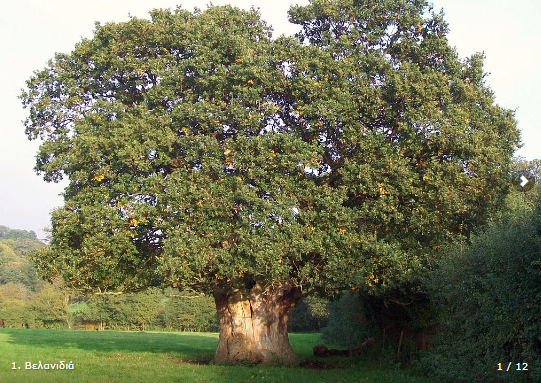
[15, 266]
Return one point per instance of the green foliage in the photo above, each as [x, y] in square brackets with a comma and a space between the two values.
[17, 270]
[401, 327]
[14, 305]
[15, 247]
[14, 313]
[23, 308]
[144, 308]
[148, 310]
[17, 280]
[23, 246]
[310, 314]
[412, 132]
[50, 307]
[348, 326]
[76, 312]
[14, 234]
[533, 166]
[489, 298]
[124, 311]
[100, 308]
[202, 154]
[189, 312]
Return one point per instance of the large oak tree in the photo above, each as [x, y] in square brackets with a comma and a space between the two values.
[201, 153]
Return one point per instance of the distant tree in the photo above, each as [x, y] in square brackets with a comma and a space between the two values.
[14, 266]
[6, 252]
[14, 305]
[203, 154]
[190, 312]
[145, 306]
[23, 246]
[50, 305]
[99, 310]
[348, 325]
[534, 166]
[121, 311]
[310, 314]
[11, 272]
[76, 313]
[7, 233]
[15, 291]
[14, 313]
[15, 246]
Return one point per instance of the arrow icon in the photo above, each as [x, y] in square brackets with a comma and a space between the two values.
[524, 180]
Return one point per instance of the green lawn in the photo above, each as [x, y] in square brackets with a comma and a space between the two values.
[112, 356]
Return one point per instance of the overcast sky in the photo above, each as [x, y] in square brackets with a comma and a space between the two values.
[31, 31]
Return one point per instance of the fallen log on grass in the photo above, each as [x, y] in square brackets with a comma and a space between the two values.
[322, 351]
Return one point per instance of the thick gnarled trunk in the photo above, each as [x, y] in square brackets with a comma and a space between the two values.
[253, 325]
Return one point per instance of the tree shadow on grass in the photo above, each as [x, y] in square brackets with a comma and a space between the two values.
[188, 346]
[114, 357]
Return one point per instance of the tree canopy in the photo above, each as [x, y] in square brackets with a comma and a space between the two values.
[201, 152]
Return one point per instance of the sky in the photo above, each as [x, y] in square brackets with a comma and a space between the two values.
[32, 31]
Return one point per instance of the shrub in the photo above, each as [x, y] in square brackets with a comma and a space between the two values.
[14, 313]
[488, 294]
[347, 322]
[190, 312]
[50, 308]
[310, 314]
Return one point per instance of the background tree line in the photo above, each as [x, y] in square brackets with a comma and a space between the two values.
[28, 302]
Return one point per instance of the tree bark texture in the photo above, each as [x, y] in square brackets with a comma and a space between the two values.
[253, 325]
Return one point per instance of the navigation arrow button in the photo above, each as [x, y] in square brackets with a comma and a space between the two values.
[524, 180]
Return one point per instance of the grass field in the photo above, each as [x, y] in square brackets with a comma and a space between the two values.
[111, 356]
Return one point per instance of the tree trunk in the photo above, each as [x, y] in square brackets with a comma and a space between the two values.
[253, 325]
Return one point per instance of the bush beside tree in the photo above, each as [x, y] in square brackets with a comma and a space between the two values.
[347, 321]
[310, 314]
[488, 294]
